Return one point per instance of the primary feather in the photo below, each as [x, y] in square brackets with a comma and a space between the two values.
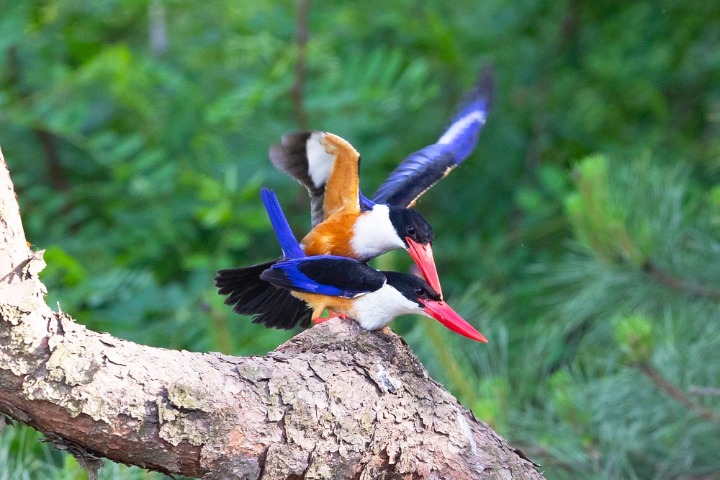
[424, 168]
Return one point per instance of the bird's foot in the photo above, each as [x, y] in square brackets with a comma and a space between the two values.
[338, 315]
[331, 314]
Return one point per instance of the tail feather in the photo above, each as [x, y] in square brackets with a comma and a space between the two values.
[249, 295]
[296, 312]
[288, 242]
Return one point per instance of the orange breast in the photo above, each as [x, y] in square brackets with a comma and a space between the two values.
[332, 237]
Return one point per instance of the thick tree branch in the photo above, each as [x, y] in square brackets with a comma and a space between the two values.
[334, 402]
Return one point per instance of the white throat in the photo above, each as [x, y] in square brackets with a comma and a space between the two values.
[374, 234]
[376, 309]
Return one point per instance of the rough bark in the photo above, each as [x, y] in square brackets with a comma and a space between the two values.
[334, 402]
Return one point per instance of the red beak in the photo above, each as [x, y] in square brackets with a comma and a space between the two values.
[423, 256]
[442, 312]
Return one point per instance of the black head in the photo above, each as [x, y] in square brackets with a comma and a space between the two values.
[409, 223]
[412, 287]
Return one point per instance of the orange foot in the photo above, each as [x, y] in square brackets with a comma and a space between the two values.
[338, 315]
[331, 314]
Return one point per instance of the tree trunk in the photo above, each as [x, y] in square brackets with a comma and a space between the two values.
[334, 402]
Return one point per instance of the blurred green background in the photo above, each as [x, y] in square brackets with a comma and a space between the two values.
[582, 237]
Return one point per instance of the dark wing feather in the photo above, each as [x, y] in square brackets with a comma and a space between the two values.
[325, 275]
[249, 295]
[290, 156]
[424, 168]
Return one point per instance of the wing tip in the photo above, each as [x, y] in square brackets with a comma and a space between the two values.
[485, 83]
[284, 154]
[481, 96]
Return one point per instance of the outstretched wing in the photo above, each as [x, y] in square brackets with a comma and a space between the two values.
[424, 168]
[325, 275]
[326, 165]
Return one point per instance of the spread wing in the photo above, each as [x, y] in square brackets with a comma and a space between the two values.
[424, 168]
[325, 164]
[325, 275]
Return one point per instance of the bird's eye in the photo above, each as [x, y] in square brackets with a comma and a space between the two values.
[419, 291]
[410, 230]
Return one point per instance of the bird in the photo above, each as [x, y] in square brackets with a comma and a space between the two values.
[386, 222]
[347, 223]
[370, 297]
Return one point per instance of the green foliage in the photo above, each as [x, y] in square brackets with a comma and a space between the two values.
[24, 456]
[582, 237]
[635, 336]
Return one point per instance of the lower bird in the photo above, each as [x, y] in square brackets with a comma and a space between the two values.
[344, 285]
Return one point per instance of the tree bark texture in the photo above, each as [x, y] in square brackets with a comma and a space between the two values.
[334, 402]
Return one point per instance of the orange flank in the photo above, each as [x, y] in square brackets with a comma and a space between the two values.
[332, 236]
[319, 303]
[343, 184]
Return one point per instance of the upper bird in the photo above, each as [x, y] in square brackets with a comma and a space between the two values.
[351, 287]
[347, 223]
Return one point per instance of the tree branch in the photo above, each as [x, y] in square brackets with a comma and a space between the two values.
[675, 393]
[664, 277]
[708, 391]
[334, 402]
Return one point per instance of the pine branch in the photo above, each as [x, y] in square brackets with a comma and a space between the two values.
[706, 391]
[334, 402]
[666, 386]
[665, 278]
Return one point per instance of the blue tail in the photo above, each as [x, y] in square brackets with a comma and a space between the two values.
[288, 242]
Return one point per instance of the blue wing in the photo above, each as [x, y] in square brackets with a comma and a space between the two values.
[325, 275]
[424, 168]
[288, 242]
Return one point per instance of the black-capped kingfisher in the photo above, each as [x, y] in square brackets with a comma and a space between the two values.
[347, 223]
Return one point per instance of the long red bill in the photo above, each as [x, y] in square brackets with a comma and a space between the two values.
[423, 256]
[442, 312]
